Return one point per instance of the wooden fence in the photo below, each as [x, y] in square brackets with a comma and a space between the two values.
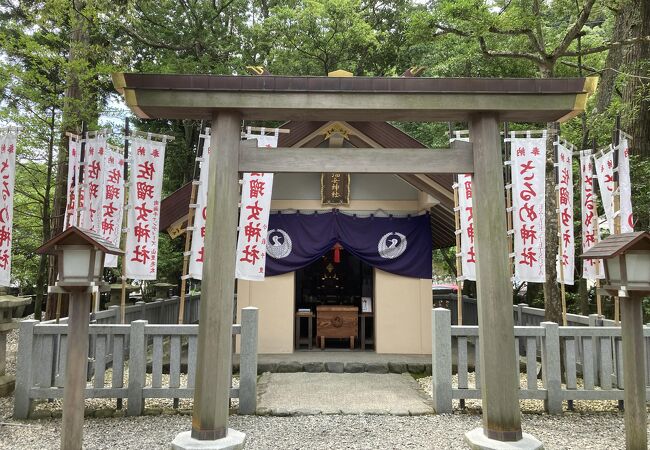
[593, 366]
[158, 311]
[129, 352]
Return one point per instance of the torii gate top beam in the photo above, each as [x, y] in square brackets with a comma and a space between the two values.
[353, 98]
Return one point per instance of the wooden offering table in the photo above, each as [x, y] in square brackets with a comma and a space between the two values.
[336, 321]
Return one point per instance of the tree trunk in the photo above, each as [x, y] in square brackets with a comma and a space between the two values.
[41, 277]
[636, 92]
[552, 299]
[71, 122]
[532, 291]
[584, 297]
[622, 26]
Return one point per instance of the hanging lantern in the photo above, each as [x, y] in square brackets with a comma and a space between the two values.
[337, 253]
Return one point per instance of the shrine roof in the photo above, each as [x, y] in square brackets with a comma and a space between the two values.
[175, 207]
[352, 98]
[616, 244]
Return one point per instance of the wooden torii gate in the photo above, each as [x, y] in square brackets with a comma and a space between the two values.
[483, 103]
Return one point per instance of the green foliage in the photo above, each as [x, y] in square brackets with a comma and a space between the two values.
[52, 49]
[314, 37]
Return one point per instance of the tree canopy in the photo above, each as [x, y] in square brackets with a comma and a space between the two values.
[56, 58]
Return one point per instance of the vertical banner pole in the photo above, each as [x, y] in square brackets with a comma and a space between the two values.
[188, 233]
[596, 230]
[508, 179]
[559, 232]
[617, 205]
[79, 181]
[561, 255]
[124, 220]
[459, 257]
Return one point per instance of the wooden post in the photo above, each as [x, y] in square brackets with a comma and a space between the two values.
[499, 383]
[634, 373]
[212, 391]
[75, 372]
[58, 308]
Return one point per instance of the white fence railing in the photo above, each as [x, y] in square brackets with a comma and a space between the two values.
[592, 369]
[129, 353]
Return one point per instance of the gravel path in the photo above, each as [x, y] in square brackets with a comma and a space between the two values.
[445, 431]
[585, 429]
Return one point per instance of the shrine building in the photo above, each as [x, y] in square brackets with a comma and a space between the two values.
[350, 253]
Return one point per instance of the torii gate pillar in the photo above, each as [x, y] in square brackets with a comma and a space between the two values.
[499, 370]
[214, 352]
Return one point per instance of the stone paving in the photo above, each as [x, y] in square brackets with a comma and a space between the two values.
[301, 393]
[345, 361]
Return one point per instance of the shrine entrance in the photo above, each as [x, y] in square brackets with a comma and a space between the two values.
[336, 279]
[481, 102]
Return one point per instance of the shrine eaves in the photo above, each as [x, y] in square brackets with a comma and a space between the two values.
[353, 98]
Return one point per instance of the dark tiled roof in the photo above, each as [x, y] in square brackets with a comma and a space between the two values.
[175, 206]
[618, 243]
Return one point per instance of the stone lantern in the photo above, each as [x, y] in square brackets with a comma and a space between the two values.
[8, 305]
[81, 263]
[627, 275]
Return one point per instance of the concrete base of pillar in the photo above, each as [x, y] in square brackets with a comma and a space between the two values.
[477, 440]
[234, 440]
[7, 385]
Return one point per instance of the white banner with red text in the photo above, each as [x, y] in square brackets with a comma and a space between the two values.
[72, 201]
[566, 259]
[8, 177]
[93, 175]
[257, 188]
[591, 268]
[528, 159]
[112, 202]
[625, 186]
[605, 172]
[468, 255]
[145, 187]
[200, 213]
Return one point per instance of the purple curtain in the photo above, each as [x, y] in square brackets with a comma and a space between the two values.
[401, 246]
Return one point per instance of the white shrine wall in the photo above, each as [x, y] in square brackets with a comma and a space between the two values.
[402, 305]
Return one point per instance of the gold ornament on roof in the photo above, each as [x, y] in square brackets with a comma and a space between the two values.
[337, 128]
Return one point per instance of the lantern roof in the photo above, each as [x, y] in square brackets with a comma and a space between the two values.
[616, 244]
[77, 236]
